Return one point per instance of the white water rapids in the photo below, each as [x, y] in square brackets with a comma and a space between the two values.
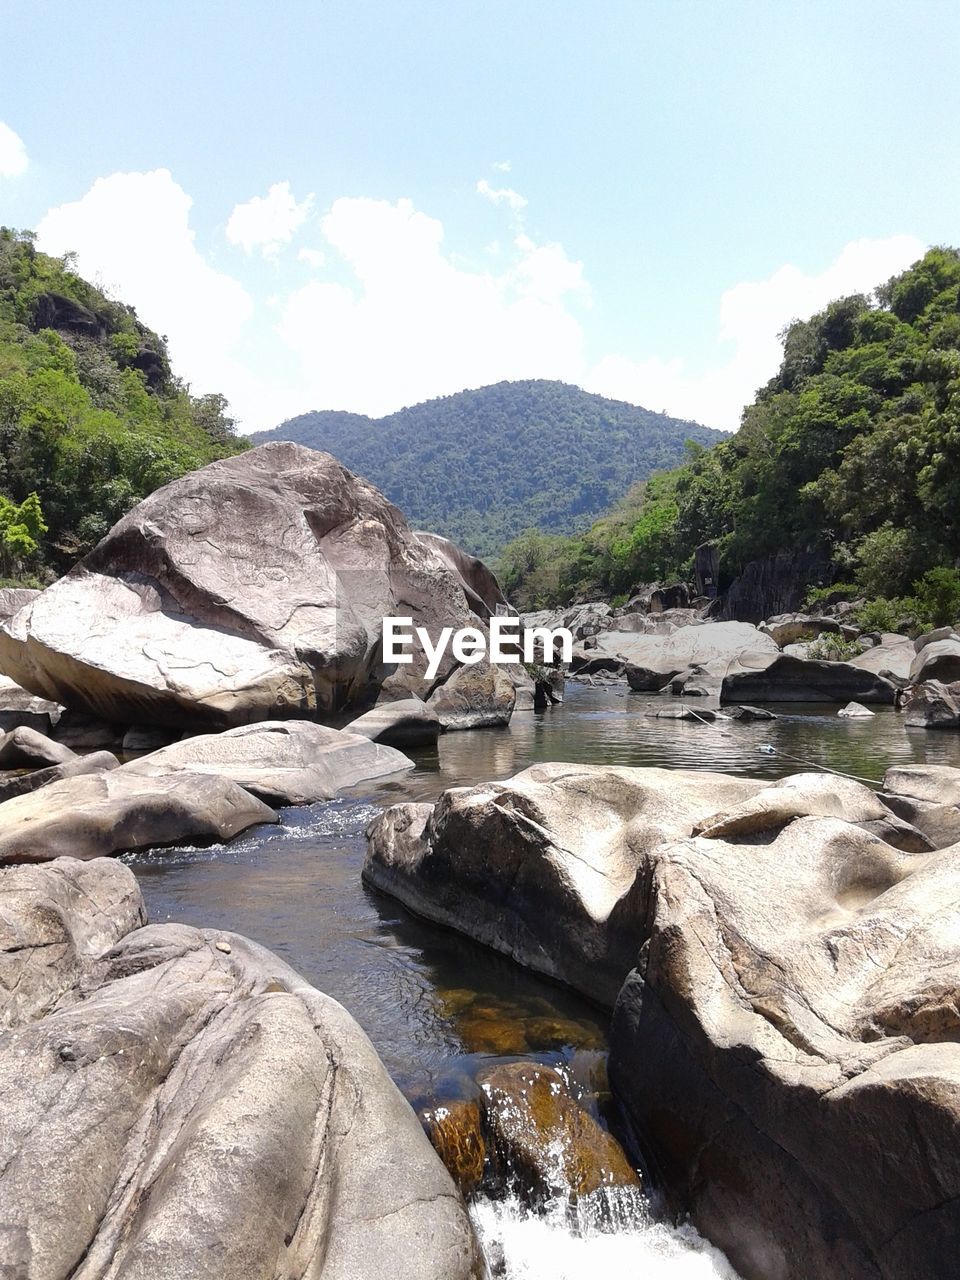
[612, 1233]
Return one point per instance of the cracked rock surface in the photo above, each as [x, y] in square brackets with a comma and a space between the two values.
[786, 1038]
[179, 1103]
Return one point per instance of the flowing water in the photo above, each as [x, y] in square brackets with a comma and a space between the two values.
[436, 1006]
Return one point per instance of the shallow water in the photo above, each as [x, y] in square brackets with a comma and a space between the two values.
[437, 1006]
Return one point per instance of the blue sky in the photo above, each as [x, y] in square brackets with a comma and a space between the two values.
[632, 196]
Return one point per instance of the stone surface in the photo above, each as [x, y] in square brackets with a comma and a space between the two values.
[892, 657]
[777, 584]
[932, 705]
[20, 784]
[103, 813]
[146, 737]
[928, 797]
[24, 748]
[19, 707]
[252, 589]
[192, 1107]
[480, 586]
[855, 711]
[550, 867]
[408, 722]
[474, 697]
[283, 762]
[708, 643]
[456, 1133]
[937, 660]
[545, 1143]
[795, 628]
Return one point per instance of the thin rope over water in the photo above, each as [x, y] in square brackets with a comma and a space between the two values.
[769, 749]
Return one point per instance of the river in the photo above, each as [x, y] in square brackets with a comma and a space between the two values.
[435, 1005]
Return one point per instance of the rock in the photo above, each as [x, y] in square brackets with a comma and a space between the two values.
[405, 723]
[581, 620]
[75, 766]
[643, 679]
[932, 705]
[795, 628]
[455, 1131]
[892, 657]
[81, 732]
[855, 711]
[788, 679]
[13, 599]
[800, 795]
[26, 749]
[789, 1047]
[93, 815]
[474, 697]
[550, 867]
[21, 709]
[201, 1111]
[774, 585]
[703, 644]
[145, 737]
[480, 586]
[706, 569]
[699, 715]
[932, 637]
[545, 1142]
[252, 589]
[586, 662]
[937, 660]
[283, 761]
[54, 920]
[928, 797]
[746, 714]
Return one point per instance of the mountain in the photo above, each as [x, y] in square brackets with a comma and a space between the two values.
[481, 466]
[92, 418]
[850, 455]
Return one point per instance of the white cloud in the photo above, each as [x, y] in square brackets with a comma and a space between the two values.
[751, 316]
[313, 257]
[131, 233]
[501, 166]
[502, 195]
[415, 325]
[269, 222]
[13, 154]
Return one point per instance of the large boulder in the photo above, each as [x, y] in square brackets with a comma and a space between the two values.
[474, 697]
[24, 748]
[790, 679]
[892, 657]
[192, 1107]
[551, 866]
[932, 705]
[21, 708]
[480, 585]
[937, 659]
[796, 628]
[787, 1039]
[107, 812]
[283, 762]
[19, 784]
[252, 589]
[928, 797]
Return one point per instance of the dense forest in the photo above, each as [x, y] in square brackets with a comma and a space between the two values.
[91, 417]
[482, 466]
[852, 450]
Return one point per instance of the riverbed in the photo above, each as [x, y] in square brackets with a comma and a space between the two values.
[435, 1005]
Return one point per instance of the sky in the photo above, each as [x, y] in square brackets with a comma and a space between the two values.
[356, 204]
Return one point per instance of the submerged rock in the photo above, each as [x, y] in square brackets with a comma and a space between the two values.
[283, 762]
[544, 1141]
[199, 1110]
[455, 1130]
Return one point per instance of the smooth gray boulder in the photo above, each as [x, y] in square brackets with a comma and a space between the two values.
[893, 656]
[581, 620]
[407, 722]
[283, 762]
[192, 1107]
[706, 643]
[19, 784]
[798, 628]
[97, 814]
[480, 585]
[25, 748]
[855, 711]
[928, 797]
[252, 589]
[550, 867]
[937, 660]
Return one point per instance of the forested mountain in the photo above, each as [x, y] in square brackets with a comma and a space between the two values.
[91, 417]
[852, 450]
[481, 466]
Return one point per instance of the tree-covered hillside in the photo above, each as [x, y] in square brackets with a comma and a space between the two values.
[852, 450]
[91, 417]
[482, 466]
